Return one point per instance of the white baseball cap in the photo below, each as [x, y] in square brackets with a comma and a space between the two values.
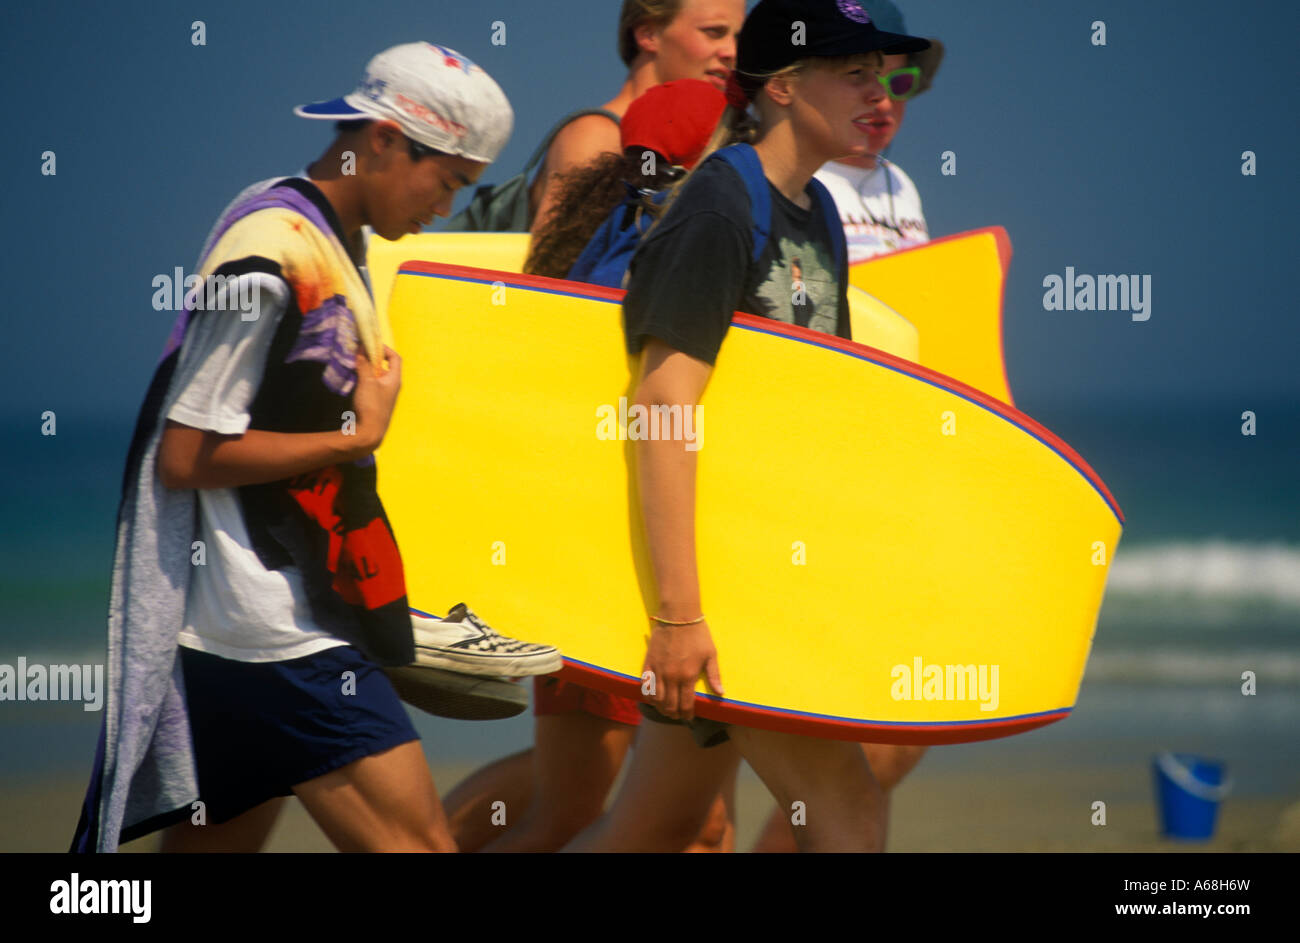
[438, 97]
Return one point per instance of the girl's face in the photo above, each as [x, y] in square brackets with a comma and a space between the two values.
[842, 111]
[699, 42]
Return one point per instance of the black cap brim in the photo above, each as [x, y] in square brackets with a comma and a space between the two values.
[891, 44]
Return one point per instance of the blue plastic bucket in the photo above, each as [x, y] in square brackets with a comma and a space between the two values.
[1188, 791]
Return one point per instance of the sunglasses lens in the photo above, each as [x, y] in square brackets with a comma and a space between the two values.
[901, 84]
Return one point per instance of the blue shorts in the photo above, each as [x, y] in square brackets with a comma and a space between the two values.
[261, 728]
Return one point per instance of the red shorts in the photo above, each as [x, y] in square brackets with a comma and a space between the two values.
[552, 696]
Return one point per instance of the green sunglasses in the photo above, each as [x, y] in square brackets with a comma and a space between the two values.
[902, 84]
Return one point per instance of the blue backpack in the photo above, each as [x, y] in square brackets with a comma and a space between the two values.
[606, 258]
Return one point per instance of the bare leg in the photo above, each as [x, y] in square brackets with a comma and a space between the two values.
[244, 834]
[575, 761]
[385, 802]
[665, 800]
[777, 836]
[469, 805]
[889, 762]
[841, 802]
[718, 833]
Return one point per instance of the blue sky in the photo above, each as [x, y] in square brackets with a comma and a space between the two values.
[1123, 158]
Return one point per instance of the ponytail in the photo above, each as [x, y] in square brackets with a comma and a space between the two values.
[736, 126]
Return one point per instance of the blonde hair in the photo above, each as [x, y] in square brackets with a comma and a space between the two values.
[737, 126]
[636, 12]
[753, 82]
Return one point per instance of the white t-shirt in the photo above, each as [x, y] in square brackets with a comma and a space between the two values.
[237, 608]
[880, 208]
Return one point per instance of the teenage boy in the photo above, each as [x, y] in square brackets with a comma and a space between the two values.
[257, 587]
[878, 203]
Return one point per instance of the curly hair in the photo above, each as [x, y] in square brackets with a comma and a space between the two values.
[585, 196]
[588, 194]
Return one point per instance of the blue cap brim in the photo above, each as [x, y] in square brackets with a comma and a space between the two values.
[336, 109]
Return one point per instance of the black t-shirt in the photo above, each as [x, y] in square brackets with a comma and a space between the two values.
[694, 271]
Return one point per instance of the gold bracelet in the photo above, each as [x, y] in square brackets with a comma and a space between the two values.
[670, 622]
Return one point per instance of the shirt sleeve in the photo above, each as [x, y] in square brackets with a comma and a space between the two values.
[688, 277]
[224, 354]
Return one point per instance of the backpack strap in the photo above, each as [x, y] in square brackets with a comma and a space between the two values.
[744, 160]
[834, 225]
[609, 251]
[560, 126]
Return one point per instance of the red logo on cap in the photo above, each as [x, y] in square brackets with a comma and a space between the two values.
[429, 116]
[452, 59]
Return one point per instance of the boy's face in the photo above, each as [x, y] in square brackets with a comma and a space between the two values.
[402, 194]
[888, 117]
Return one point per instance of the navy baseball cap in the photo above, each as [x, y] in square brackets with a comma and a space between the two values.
[778, 33]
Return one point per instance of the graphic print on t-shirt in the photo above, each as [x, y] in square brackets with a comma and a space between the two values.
[881, 212]
[697, 268]
[800, 287]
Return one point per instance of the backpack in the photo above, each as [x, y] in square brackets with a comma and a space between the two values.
[607, 256]
[605, 259]
[503, 207]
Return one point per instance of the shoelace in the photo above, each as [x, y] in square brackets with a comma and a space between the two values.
[496, 641]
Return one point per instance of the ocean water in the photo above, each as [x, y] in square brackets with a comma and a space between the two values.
[1204, 586]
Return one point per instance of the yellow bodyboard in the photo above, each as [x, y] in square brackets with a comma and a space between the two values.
[951, 290]
[874, 322]
[503, 251]
[885, 553]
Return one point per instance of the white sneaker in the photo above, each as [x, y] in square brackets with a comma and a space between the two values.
[465, 643]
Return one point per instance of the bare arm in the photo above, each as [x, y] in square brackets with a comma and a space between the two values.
[677, 655]
[198, 458]
[582, 141]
